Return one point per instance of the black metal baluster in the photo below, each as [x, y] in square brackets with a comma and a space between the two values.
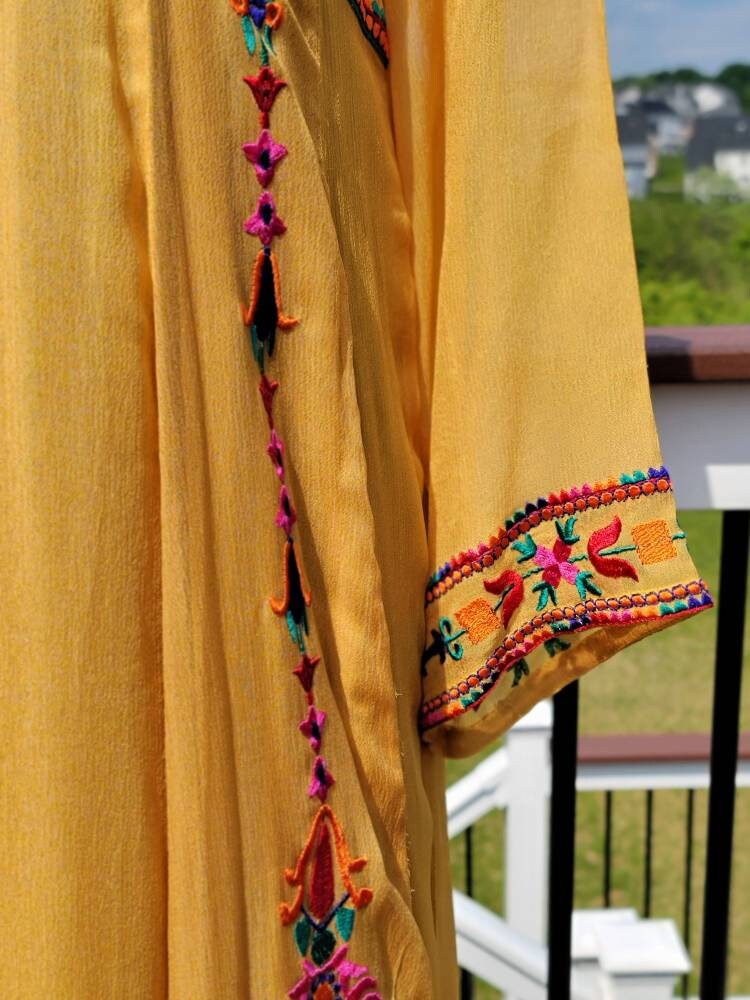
[686, 915]
[648, 852]
[735, 538]
[562, 840]
[608, 848]
[467, 980]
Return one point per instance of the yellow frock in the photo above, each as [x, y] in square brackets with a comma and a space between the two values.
[264, 565]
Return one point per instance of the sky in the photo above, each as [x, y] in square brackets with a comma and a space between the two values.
[647, 35]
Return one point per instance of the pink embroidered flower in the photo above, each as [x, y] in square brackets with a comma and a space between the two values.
[555, 562]
[264, 222]
[264, 155]
[312, 727]
[286, 514]
[320, 780]
[275, 450]
[354, 980]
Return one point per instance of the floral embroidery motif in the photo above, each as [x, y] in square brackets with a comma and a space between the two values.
[320, 780]
[264, 155]
[479, 619]
[267, 390]
[264, 222]
[326, 898]
[264, 314]
[443, 644]
[337, 978]
[265, 87]
[305, 671]
[627, 609]
[259, 19]
[509, 585]
[551, 508]
[296, 597]
[286, 514]
[603, 559]
[654, 542]
[311, 727]
[371, 18]
[565, 578]
[557, 564]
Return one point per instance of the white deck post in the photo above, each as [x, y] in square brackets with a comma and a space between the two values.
[641, 961]
[527, 823]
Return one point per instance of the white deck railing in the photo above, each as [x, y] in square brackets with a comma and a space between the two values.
[509, 953]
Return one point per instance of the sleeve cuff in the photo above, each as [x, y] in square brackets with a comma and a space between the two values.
[569, 580]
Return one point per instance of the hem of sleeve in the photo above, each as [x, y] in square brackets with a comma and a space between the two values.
[569, 581]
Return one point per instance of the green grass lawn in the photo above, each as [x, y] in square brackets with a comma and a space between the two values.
[661, 684]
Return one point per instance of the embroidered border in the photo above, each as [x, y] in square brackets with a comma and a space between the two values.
[539, 564]
[475, 560]
[371, 19]
[628, 609]
[323, 918]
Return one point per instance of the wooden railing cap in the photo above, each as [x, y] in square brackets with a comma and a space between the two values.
[698, 353]
[642, 748]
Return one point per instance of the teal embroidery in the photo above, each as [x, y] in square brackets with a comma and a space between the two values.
[248, 30]
[345, 922]
[565, 531]
[444, 642]
[520, 670]
[554, 646]
[302, 931]
[630, 609]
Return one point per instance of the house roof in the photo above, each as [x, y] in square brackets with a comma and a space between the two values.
[632, 129]
[656, 106]
[712, 134]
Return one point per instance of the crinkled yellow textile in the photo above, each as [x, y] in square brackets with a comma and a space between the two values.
[458, 471]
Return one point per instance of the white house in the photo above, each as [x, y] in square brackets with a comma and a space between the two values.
[672, 108]
[718, 157]
[638, 152]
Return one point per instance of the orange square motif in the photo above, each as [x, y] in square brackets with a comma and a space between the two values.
[653, 541]
[478, 619]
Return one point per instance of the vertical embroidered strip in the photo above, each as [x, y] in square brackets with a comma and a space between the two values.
[326, 899]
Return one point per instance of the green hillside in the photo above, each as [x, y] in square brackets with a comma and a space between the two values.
[693, 260]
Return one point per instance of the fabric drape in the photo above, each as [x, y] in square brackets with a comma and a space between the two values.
[474, 487]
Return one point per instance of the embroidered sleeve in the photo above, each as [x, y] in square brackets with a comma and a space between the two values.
[552, 535]
[564, 582]
[321, 891]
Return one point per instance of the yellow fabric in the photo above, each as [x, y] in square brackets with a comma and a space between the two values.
[469, 339]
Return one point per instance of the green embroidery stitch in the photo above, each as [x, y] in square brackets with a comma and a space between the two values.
[520, 670]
